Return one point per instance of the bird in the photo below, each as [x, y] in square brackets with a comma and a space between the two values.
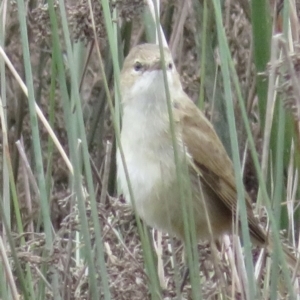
[148, 144]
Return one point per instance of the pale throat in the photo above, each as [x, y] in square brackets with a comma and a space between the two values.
[146, 118]
[148, 93]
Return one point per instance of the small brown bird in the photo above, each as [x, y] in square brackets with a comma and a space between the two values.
[149, 154]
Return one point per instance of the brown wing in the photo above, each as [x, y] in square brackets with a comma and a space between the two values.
[211, 160]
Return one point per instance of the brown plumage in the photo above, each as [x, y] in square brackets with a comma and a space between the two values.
[149, 154]
[211, 160]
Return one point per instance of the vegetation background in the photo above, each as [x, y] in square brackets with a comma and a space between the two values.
[65, 233]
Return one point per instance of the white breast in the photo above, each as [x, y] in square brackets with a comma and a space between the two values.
[149, 158]
[148, 150]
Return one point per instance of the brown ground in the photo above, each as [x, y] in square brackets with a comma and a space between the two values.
[124, 260]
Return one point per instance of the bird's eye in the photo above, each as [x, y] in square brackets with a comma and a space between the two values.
[138, 66]
[170, 66]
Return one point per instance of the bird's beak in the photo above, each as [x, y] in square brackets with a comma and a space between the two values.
[156, 66]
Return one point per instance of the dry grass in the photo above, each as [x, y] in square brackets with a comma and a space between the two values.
[220, 273]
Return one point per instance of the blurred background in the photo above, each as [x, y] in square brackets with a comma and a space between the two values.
[66, 232]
